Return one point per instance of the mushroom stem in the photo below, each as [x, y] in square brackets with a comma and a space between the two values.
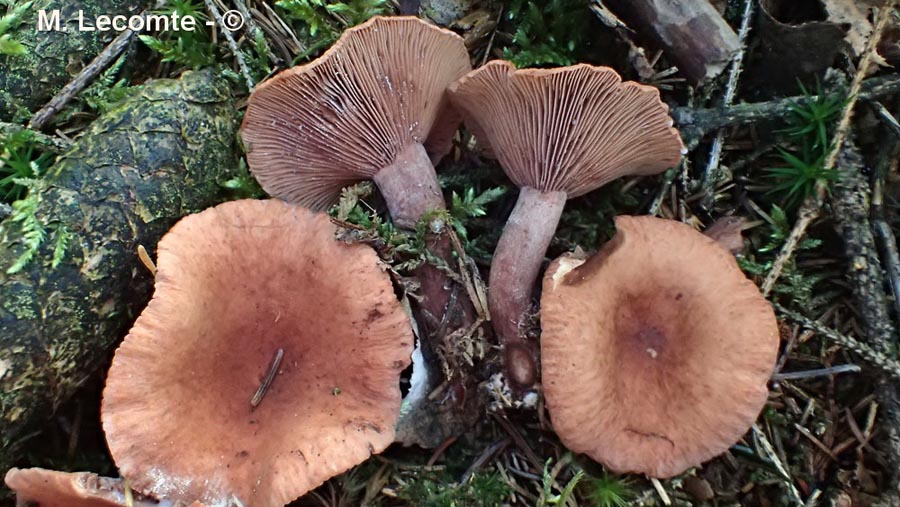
[514, 269]
[410, 186]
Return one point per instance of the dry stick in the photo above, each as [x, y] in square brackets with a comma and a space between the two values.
[811, 207]
[235, 50]
[84, 78]
[887, 239]
[886, 116]
[711, 173]
[267, 381]
[252, 28]
[850, 210]
[885, 364]
[773, 457]
[695, 123]
[819, 372]
[884, 234]
[50, 143]
[251, 23]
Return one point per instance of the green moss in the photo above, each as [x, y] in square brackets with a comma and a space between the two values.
[51, 59]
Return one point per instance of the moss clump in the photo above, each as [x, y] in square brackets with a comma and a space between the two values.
[51, 59]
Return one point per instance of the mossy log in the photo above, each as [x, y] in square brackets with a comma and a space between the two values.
[53, 58]
[160, 155]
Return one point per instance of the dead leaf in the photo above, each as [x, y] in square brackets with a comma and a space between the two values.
[851, 17]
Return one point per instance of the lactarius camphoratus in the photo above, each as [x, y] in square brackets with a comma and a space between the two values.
[372, 107]
[558, 133]
[267, 361]
[656, 350]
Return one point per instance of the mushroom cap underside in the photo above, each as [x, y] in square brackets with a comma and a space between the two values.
[569, 129]
[316, 128]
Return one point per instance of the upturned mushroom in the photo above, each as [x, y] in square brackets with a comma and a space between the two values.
[267, 361]
[39, 487]
[372, 107]
[655, 351]
[558, 133]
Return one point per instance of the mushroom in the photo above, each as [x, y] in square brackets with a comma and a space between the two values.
[47, 488]
[267, 361]
[656, 350]
[372, 107]
[558, 133]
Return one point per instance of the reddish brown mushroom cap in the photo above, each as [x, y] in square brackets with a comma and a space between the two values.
[316, 128]
[656, 351]
[235, 284]
[570, 129]
[48, 488]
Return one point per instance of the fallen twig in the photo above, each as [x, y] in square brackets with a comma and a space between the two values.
[885, 364]
[810, 208]
[884, 234]
[82, 80]
[694, 124]
[235, 50]
[849, 202]
[773, 456]
[819, 372]
[887, 118]
[710, 175]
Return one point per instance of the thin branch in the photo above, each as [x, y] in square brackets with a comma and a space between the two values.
[819, 372]
[883, 233]
[694, 124]
[884, 363]
[711, 174]
[811, 207]
[850, 210]
[83, 79]
[773, 456]
[886, 117]
[235, 50]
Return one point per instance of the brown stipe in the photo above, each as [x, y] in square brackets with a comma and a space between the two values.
[267, 381]
[372, 107]
[558, 133]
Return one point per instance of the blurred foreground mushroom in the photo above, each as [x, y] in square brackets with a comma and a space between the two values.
[267, 361]
[655, 351]
[47, 488]
[558, 133]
